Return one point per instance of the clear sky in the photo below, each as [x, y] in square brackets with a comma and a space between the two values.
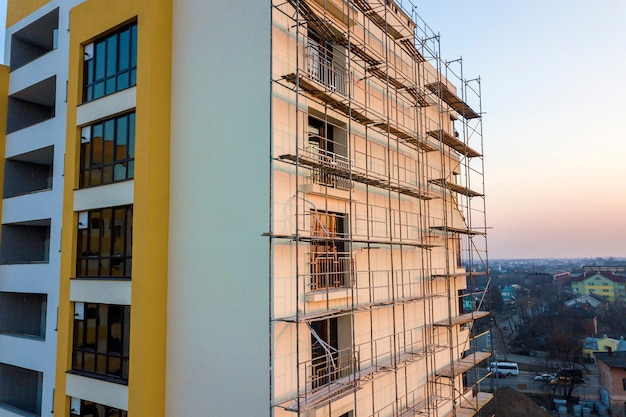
[553, 78]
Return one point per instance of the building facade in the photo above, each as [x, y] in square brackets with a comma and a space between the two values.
[612, 380]
[610, 287]
[268, 208]
[594, 345]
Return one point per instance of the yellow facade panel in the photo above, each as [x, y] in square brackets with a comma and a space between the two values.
[19, 9]
[4, 103]
[89, 21]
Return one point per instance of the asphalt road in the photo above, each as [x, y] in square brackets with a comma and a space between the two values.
[525, 382]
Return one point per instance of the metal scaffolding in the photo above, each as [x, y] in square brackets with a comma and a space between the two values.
[378, 234]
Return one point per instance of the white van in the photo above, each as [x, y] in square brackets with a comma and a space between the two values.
[506, 368]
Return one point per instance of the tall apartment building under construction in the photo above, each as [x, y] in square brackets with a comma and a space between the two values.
[259, 208]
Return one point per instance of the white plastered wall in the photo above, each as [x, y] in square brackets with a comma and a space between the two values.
[218, 298]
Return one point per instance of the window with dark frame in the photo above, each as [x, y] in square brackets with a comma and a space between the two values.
[91, 409]
[101, 341]
[110, 63]
[105, 243]
[107, 151]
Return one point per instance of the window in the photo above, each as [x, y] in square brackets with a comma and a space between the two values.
[101, 340]
[331, 264]
[107, 151]
[624, 384]
[105, 243]
[110, 63]
[90, 409]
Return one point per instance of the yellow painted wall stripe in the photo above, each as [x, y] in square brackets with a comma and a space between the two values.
[4, 104]
[151, 209]
[19, 9]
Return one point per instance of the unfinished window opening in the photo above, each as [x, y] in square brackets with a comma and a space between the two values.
[331, 350]
[331, 263]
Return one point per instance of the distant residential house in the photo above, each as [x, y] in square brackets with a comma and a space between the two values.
[591, 300]
[594, 345]
[612, 380]
[510, 293]
[604, 284]
[615, 269]
[579, 320]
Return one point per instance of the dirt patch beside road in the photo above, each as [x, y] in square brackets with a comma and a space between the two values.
[509, 402]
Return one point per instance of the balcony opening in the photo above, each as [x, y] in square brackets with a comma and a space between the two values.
[25, 242]
[35, 40]
[331, 350]
[330, 261]
[29, 172]
[325, 64]
[23, 314]
[326, 145]
[20, 389]
[32, 105]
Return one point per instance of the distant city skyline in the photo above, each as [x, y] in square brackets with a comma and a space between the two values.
[552, 78]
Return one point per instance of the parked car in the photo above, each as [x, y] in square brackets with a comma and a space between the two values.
[500, 375]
